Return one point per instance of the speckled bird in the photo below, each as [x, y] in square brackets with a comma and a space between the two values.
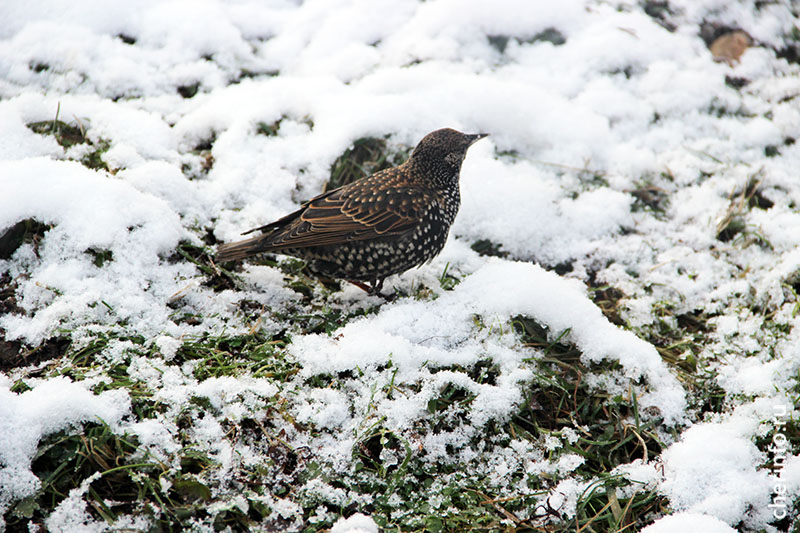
[377, 226]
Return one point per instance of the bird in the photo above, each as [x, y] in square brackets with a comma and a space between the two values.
[380, 225]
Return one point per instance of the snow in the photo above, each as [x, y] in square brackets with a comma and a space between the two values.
[88, 211]
[358, 523]
[689, 522]
[439, 333]
[71, 515]
[712, 471]
[575, 129]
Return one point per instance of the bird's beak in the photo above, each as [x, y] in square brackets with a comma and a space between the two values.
[476, 137]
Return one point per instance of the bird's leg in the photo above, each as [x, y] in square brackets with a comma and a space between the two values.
[376, 286]
[373, 288]
[363, 286]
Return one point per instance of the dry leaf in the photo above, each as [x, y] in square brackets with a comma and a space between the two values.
[730, 46]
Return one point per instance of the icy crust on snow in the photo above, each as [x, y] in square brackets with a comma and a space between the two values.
[623, 105]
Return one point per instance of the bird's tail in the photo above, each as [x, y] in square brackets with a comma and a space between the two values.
[236, 251]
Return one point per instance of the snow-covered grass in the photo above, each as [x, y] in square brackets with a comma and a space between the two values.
[609, 340]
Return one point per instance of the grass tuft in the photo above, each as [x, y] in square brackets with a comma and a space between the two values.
[366, 156]
[189, 90]
[650, 197]
[611, 429]
[256, 355]
[68, 135]
[66, 460]
[732, 226]
[217, 277]
[28, 231]
[487, 247]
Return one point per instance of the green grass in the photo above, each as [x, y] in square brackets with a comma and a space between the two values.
[271, 129]
[733, 227]
[388, 468]
[390, 476]
[73, 134]
[245, 355]
[366, 156]
[128, 482]
[65, 460]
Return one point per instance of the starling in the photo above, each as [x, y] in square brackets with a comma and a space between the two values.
[374, 227]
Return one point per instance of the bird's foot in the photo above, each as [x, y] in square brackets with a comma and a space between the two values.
[373, 289]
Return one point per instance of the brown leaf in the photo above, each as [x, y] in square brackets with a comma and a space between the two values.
[730, 46]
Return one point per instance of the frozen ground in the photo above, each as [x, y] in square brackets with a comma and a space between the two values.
[610, 336]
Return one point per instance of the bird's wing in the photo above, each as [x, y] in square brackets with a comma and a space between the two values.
[380, 205]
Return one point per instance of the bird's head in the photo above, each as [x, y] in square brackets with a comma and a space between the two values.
[441, 153]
